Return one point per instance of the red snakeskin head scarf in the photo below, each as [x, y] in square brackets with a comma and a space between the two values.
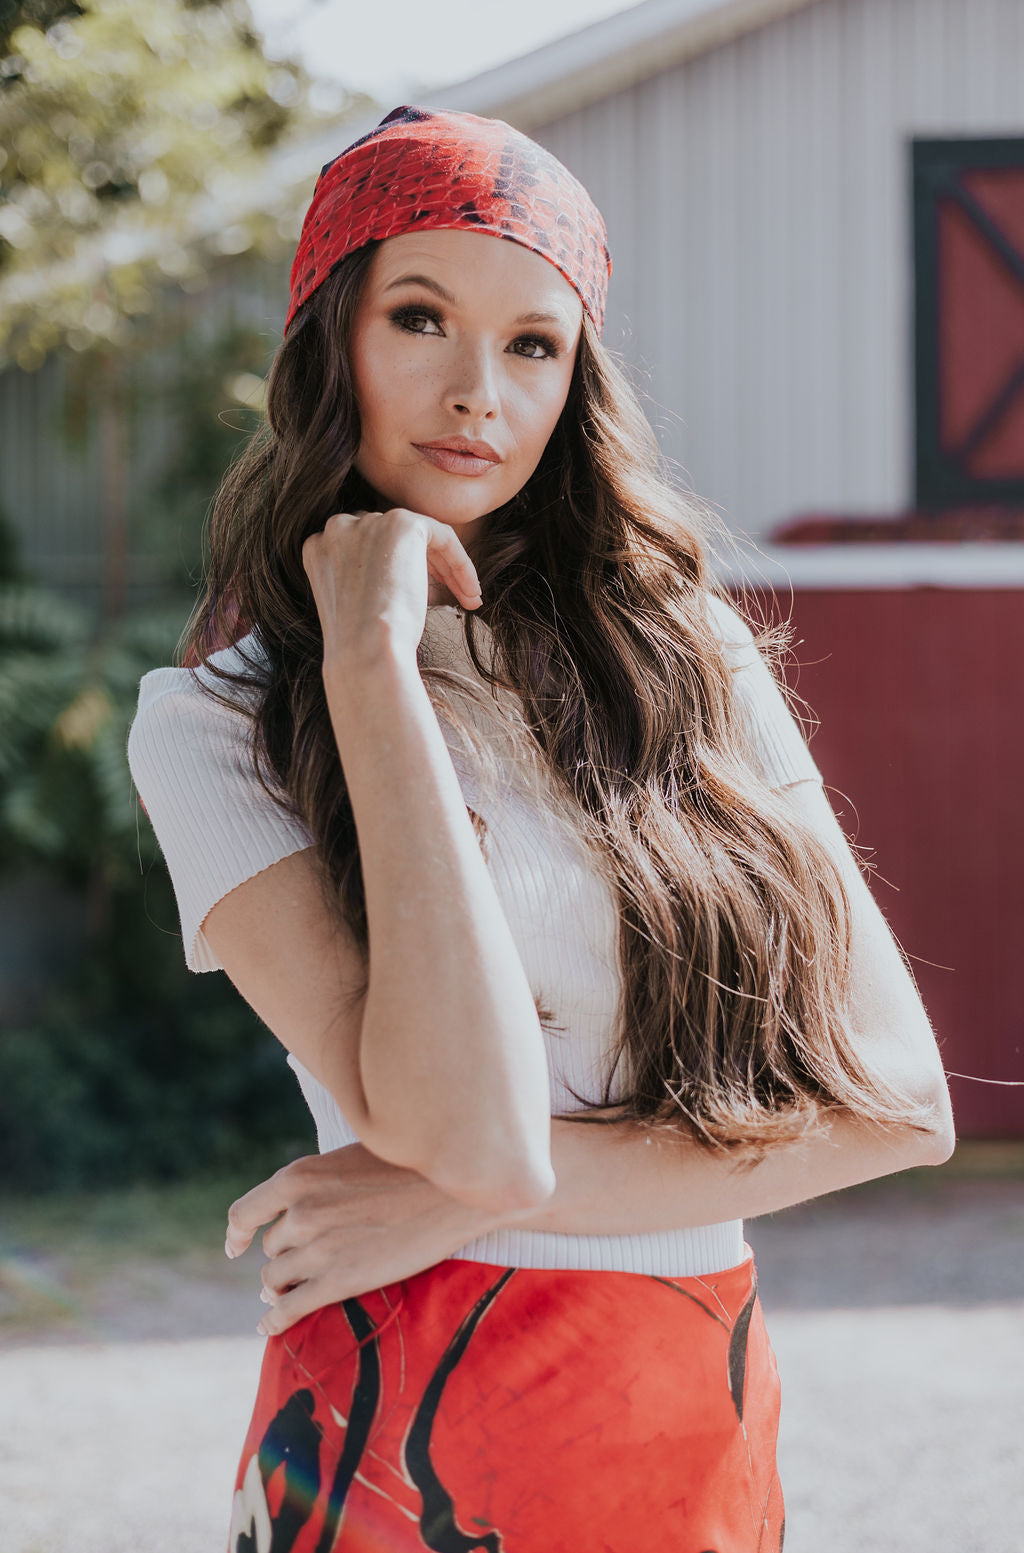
[421, 170]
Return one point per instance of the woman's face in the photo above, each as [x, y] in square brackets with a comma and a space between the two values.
[459, 335]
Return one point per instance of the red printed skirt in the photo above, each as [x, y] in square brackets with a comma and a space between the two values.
[518, 1410]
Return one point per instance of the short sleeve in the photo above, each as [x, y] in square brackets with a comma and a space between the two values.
[775, 733]
[215, 824]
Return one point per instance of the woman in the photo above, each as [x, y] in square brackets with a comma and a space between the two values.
[485, 715]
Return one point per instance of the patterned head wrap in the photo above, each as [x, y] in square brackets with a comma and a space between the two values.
[422, 170]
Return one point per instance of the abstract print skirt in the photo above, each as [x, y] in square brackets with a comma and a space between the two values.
[518, 1410]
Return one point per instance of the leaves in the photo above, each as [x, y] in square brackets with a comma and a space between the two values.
[136, 138]
[36, 618]
[68, 690]
[109, 1049]
[142, 147]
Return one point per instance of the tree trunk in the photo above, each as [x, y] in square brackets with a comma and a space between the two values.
[113, 485]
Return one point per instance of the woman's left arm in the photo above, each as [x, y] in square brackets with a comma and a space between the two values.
[624, 1179]
[348, 1222]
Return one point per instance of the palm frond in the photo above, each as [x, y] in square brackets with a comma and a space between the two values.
[35, 618]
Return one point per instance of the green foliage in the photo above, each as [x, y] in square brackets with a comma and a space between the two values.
[138, 1071]
[96, 1228]
[67, 695]
[133, 1068]
[137, 154]
[10, 560]
[32, 13]
[209, 405]
[136, 136]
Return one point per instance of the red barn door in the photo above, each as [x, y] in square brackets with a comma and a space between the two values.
[969, 268]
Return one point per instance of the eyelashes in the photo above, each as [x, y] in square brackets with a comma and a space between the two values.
[404, 316]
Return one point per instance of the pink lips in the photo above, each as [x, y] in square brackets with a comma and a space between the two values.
[459, 455]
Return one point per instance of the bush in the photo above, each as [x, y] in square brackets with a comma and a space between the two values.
[139, 1071]
[130, 1067]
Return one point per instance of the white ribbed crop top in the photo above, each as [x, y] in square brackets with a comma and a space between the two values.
[217, 827]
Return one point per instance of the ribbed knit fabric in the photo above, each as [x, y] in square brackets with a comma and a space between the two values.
[215, 824]
[217, 827]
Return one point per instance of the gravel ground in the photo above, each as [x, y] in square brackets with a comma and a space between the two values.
[897, 1314]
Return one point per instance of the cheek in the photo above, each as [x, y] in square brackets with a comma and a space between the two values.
[362, 382]
[375, 371]
[390, 393]
[535, 414]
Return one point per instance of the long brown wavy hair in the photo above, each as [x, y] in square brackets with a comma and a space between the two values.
[734, 941]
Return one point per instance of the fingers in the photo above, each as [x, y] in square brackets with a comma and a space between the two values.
[259, 1206]
[447, 558]
[292, 1288]
[284, 1270]
[286, 1232]
[448, 554]
[296, 1303]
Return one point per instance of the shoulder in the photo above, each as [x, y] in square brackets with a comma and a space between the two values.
[751, 672]
[752, 677]
[191, 761]
[245, 662]
[190, 743]
[778, 744]
[732, 630]
[183, 709]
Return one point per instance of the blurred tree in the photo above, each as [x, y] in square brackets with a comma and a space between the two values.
[137, 142]
[67, 696]
[137, 154]
[114, 1060]
[10, 560]
[136, 137]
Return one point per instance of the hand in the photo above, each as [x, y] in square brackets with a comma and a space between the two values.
[373, 574]
[343, 1223]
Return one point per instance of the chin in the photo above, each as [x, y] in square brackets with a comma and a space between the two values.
[451, 499]
[445, 506]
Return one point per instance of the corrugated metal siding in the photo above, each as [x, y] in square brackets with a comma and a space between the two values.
[758, 205]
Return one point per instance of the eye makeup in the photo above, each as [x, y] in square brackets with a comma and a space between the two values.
[404, 316]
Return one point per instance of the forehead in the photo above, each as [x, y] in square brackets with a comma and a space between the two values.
[468, 264]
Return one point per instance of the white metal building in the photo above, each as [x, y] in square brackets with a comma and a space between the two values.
[753, 162]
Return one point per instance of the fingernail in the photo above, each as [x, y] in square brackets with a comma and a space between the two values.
[264, 1296]
[262, 1329]
[228, 1251]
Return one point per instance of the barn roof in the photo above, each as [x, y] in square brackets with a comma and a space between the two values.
[571, 72]
[608, 56]
[568, 74]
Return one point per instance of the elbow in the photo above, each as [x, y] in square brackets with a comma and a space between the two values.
[939, 1140]
[926, 1143]
[519, 1185]
[944, 1146]
[941, 1125]
[507, 1183]
[934, 1138]
[927, 1135]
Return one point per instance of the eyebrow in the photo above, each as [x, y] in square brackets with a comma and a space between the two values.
[446, 296]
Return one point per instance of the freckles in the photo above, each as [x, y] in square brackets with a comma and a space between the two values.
[417, 377]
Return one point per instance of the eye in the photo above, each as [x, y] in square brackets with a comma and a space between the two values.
[547, 346]
[418, 317]
[412, 317]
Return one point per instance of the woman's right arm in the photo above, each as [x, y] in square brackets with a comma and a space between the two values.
[441, 1066]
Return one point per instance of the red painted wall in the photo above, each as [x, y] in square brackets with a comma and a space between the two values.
[920, 697]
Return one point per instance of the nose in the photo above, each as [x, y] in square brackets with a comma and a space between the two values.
[472, 387]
